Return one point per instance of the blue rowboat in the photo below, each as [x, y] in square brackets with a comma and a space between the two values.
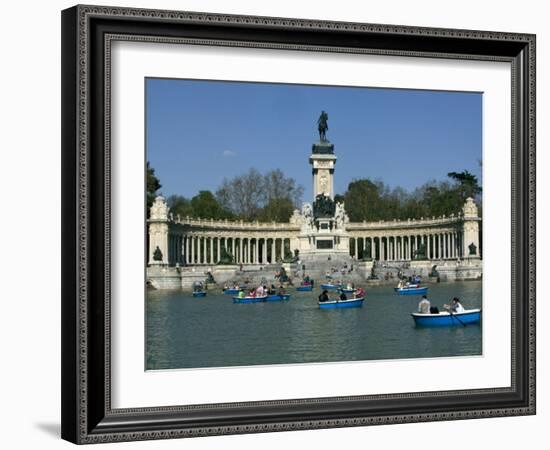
[411, 290]
[331, 287]
[277, 298]
[232, 291]
[446, 319]
[350, 303]
[199, 294]
[249, 299]
[305, 288]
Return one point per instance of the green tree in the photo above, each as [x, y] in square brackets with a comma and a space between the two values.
[362, 200]
[277, 209]
[179, 205]
[467, 184]
[205, 205]
[373, 200]
[153, 185]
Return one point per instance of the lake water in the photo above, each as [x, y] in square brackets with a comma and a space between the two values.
[187, 332]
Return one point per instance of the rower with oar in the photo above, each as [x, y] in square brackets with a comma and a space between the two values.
[455, 308]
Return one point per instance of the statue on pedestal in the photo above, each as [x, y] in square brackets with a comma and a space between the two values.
[322, 123]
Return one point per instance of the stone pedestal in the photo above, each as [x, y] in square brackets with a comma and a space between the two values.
[322, 160]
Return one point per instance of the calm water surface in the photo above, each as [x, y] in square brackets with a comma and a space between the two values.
[187, 332]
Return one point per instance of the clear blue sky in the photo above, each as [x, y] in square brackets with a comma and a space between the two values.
[199, 132]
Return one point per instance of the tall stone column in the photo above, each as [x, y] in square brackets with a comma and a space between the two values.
[241, 251]
[453, 239]
[199, 250]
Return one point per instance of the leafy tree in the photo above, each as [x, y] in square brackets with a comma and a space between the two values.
[153, 185]
[372, 200]
[362, 200]
[179, 205]
[467, 184]
[205, 205]
[277, 209]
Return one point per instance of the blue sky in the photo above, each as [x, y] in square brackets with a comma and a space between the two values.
[199, 132]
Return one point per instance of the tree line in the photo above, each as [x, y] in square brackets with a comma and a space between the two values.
[273, 197]
[373, 200]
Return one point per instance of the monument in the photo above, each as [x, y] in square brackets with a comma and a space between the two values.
[182, 250]
[323, 222]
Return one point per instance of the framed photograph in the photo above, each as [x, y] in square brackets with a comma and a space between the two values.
[278, 224]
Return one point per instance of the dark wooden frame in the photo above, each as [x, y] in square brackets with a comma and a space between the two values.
[87, 31]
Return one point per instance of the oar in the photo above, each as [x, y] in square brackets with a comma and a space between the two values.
[452, 315]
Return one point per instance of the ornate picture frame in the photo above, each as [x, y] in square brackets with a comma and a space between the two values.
[87, 413]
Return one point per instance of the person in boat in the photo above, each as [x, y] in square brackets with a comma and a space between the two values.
[343, 296]
[240, 294]
[424, 305]
[400, 284]
[455, 307]
[359, 293]
[281, 291]
[323, 297]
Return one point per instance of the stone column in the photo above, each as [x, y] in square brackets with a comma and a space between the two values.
[453, 245]
[186, 246]
[273, 256]
[256, 252]
[199, 249]
[356, 248]
[241, 251]
[219, 249]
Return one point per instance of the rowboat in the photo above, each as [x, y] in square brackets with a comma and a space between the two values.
[446, 319]
[232, 291]
[277, 297]
[249, 299]
[199, 294]
[330, 286]
[411, 289]
[305, 288]
[350, 303]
